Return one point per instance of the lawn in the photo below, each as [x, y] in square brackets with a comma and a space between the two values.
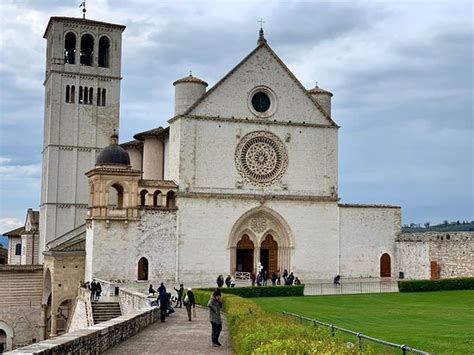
[437, 322]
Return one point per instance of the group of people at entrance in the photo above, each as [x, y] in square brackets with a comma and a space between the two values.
[261, 279]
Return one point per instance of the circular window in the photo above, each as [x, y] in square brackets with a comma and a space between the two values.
[261, 158]
[260, 102]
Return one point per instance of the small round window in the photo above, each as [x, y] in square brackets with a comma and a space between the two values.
[261, 102]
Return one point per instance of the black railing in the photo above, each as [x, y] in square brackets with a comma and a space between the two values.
[403, 348]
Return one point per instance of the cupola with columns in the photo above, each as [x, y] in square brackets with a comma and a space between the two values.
[113, 185]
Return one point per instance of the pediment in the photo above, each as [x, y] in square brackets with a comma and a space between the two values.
[261, 70]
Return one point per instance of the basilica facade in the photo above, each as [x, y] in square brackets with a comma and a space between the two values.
[245, 176]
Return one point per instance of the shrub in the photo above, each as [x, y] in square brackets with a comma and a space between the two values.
[263, 291]
[254, 331]
[436, 285]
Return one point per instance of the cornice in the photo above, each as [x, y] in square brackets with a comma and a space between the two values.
[263, 197]
[260, 121]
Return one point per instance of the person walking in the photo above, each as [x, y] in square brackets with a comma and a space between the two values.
[189, 302]
[180, 292]
[215, 305]
[163, 297]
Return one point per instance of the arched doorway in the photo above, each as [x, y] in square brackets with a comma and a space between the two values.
[245, 250]
[269, 255]
[62, 316]
[3, 341]
[143, 269]
[271, 237]
[6, 337]
[385, 266]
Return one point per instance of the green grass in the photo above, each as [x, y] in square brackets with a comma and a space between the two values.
[438, 322]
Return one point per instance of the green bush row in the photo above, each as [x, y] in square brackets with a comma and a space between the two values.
[262, 291]
[466, 283]
[254, 331]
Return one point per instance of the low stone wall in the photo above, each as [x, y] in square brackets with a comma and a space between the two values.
[96, 339]
[130, 301]
[452, 251]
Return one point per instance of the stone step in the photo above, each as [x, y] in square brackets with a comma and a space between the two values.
[104, 311]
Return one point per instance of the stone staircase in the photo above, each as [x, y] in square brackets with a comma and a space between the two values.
[104, 311]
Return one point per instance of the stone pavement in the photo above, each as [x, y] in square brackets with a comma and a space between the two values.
[176, 336]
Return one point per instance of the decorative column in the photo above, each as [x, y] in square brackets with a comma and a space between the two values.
[256, 258]
[233, 259]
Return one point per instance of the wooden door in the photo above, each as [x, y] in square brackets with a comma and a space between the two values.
[385, 266]
[272, 246]
[434, 270]
[244, 257]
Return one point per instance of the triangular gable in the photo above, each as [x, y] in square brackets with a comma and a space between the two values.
[198, 107]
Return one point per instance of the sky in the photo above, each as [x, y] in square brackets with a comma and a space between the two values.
[401, 73]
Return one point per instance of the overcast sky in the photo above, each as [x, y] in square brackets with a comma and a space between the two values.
[401, 73]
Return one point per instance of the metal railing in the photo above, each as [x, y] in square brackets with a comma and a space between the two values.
[403, 348]
[242, 276]
[350, 287]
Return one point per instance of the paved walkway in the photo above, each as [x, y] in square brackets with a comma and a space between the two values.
[176, 336]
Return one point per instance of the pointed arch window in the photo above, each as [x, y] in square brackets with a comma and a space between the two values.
[73, 94]
[104, 47]
[68, 97]
[91, 95]
[103, 97]
[87, 50]
[81, 97]
[18, 249]
[70, 48]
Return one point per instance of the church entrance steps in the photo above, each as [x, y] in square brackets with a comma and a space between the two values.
[104, 311]
[351, 286]
[176, 336]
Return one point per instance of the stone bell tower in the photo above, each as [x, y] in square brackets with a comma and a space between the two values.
[82, 101]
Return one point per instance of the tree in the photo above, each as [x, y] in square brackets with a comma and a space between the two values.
[427, 225]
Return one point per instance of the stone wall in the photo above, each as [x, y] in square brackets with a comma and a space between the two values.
[367, 232]
[453, 252]
[96, 339]
[114, 249]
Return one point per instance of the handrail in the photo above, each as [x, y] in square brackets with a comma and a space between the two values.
[404, 348]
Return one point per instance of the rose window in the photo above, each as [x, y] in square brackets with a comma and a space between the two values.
[261, 158]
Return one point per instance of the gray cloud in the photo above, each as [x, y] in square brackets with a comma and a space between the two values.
[401, 73]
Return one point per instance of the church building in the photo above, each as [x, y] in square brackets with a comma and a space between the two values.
[244, 177]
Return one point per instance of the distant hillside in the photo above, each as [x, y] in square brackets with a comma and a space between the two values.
[457, 226]
[4, 241]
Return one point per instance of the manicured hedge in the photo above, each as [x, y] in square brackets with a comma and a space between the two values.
[466, 283]
[262, 291]
[254, 331]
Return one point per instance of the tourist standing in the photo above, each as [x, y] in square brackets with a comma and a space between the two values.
[215, 306]
[253, 277]
[98, 290]
[220, 281]
[161, 289]
[93, 288]
[232, 281]
[278, 277]
[227, 281]
[274, 278]
[189, 302]
[180, 296]
[285, 275]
